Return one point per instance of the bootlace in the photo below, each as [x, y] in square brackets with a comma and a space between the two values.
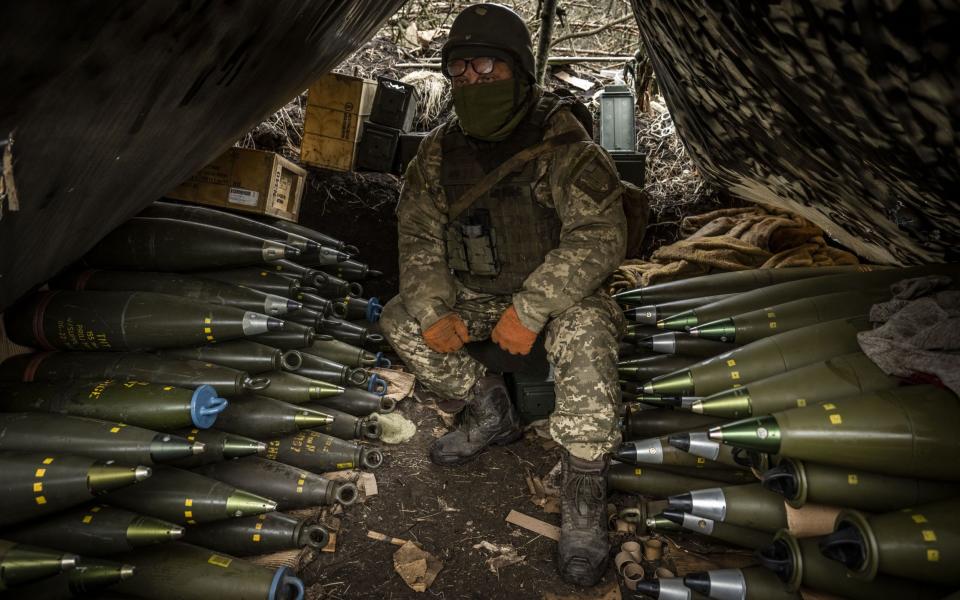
[588, 492]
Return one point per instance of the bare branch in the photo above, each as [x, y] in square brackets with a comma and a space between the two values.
[595, 31]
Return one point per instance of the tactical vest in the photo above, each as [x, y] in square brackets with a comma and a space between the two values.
[494, 245]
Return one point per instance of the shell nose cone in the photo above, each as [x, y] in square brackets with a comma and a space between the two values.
[142, 472]
[680, 441]
[176, 532]
[698, 582]
[681, 502]
[127, 571]
[291, 252]
[198, 448]
[69, 561]
[293, 306]
[675, 516]
[275, 324]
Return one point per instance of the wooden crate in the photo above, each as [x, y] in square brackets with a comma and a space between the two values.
[247, 180]
[336, 105]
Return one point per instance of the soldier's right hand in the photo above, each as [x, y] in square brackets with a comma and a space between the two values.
[449, 334]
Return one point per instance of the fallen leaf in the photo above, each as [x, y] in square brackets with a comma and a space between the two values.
[417, 567]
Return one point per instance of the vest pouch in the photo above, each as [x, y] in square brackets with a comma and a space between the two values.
[456, 249]
[481, 250]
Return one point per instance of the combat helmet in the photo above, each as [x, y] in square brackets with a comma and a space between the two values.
[497, 30]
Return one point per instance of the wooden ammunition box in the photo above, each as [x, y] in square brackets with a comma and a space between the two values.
[249, 181]
[336, 105]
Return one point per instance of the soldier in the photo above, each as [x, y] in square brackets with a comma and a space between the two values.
[510, 218]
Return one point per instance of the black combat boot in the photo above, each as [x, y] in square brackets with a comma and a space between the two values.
[488, 419]
[584, 546]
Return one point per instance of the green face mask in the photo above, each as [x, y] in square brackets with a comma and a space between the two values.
[487, 110]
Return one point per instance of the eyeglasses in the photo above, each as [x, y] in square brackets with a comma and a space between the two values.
[482, 65]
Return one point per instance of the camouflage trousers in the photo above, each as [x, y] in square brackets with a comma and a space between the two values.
[581, 344]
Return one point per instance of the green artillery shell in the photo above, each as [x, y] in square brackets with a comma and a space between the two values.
[307, 317]
[893, 432]
[128, 366]
[348, 427]
[120, 321]
[754, 507]
[648, 367]
[311, 252]
[650, 481]
[922, 543]
[320, 238]
[187, 498]
[188, 572]
[651, 313]
[640, 424]
[721, 476]
[801, 482]
[317, 367]
[837, 377]
[256, 278]
[294, 337]
[700, 445]
[106, 440]
[683, 344]
[330, 286]
[88, 577]
[787, 292]
[288, 486]
[635, 333]
[725, 532]
[343, 353]
[752, 583]
[358, 308]
[41, 484]
[296, 389]
[319, 452]
[358, 403]
[152, 406]
[261, 417]
[667, 589]
[170, 245]
[20, 564]
[96, 530]
[658, 451]
[798, 562]
[187, 286]
[734, 282]
[309, 278]
[763, 358]
[349, 333]
[218, 447]
[262, 534]
[243, 355]
[350, 270]
[319, 304]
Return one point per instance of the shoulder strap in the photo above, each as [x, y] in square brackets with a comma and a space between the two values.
[508, 166]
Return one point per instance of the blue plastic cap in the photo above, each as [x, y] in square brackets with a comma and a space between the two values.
[382, 361]
[282, 578]
[374, 308]
[377, 385]
[205, 406]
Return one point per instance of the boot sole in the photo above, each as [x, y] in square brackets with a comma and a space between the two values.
[462, 460]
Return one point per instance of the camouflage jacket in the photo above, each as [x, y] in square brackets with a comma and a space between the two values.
[592, 236]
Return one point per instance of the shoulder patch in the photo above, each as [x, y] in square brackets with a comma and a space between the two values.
[596, 177]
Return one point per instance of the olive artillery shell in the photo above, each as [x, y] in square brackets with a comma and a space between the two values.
[118, 321]
[88, 577]
[307, 317]
[635, 332]
[922, 543]
[256, 278]
[218, 447]
[187, 286]
[651, 313]
[721, 476]
[170, 245]
[317, 367]
[20, 564]
[799, 563]
[837, 377]
[343, 353]
[350, 270]
[288, 486]
[359, 308]
[683, 344]
[348, 427]
[734, 282]
[329, 286]
[97, 530]
[786, 292]
[658, 451]
[667, 589]
[654, 482]
[698, 444]
[262, 534]
[357, 402]
[640, 424]
[319, 452]
[313, 234]
[646, 368]
[128, 366]
[294, 337]
[763, 358]
[319, 305]
[187, 498]
[40, 484]
[751, 583]
[188, 572]
[349, 333]
[297, 389]
[105, 440]
[243, 355]
[725, 532]
[893, 432]
[801, 482]
[142, 404]
[756, 508]
[261, 417]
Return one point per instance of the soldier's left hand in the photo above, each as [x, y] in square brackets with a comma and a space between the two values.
[511, 335]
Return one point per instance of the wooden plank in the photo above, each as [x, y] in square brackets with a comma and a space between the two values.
[535, 525]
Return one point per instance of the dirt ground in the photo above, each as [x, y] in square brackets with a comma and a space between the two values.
[449, 510]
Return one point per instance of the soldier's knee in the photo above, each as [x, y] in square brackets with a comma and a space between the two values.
[394, 317]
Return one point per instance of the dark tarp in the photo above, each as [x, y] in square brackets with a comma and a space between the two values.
[111, 103]
[843, 111]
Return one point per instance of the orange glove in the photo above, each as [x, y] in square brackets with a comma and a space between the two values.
[449, 334]
[511, 335]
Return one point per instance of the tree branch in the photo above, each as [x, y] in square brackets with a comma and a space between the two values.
[589, 32]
